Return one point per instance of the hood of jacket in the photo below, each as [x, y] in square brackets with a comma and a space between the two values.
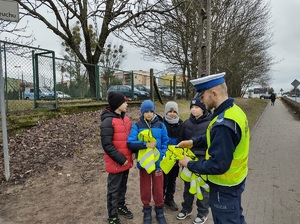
[107, 112]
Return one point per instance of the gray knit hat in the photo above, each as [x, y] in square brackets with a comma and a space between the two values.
[173, 105]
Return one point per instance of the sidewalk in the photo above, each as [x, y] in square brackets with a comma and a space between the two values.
[272, 193]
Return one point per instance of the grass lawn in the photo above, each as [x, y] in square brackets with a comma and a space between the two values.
[252, 107]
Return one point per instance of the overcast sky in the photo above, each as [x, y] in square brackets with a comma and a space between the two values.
[285, 17]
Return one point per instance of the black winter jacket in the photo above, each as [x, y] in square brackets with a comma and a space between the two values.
[193, 127]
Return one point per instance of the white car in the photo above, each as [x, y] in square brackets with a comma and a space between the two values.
[60, 95]
[43, 93]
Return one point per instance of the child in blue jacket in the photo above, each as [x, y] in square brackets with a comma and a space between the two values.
[150, 183]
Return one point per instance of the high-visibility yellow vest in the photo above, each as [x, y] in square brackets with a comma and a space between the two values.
[186, 174]
[239, 166]
[173, 154]
[193, 184]
[200, 183]
[196, 184]
[168, 162]
[147, 157]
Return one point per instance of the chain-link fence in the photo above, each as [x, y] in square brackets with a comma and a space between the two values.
[35, 78]
[28, 74]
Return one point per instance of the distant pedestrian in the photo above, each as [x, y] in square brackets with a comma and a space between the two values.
[273, 98]
[114, 130]
[226, 160]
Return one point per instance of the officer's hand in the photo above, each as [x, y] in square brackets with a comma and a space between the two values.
[185, 144]
[184, 162]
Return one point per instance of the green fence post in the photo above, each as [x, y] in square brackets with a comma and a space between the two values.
[54, 79]
[132, 85]
[97, 82]
[34, 71]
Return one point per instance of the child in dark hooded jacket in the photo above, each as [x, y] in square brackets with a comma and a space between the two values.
[196, 125]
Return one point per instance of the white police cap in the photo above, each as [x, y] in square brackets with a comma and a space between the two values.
[207, 82]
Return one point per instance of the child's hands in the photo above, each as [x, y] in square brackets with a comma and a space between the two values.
[133, 156]
[151, 144]
[126, 162]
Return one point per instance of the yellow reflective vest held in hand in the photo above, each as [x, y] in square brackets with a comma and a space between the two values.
[173, 154]
[147, 157]
[196, 181]
[196, 184]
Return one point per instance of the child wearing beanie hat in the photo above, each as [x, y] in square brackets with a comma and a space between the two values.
[171, 106]
[174, 125]
[197, 102]
[114, 130]
[146, 106]
[115, 100]
[151, 182]
[195, 126]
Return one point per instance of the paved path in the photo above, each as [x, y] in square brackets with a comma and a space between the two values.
[272, 192]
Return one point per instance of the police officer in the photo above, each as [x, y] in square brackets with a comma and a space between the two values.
[226, 161]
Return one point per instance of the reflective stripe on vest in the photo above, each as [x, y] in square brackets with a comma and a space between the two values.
[147, 157]
[193, 185]
[239, 166]
[156, 154]
[186, 174]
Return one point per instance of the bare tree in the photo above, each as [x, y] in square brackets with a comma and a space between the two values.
[16, 33]
[111, 58]
[174, 38]
[106, 17]
[239, 46]
[240, 43]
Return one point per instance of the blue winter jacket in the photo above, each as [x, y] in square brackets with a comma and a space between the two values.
[159, 132]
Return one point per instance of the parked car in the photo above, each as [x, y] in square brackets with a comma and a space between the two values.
[43, 93]
[265, 96]
[142, 87]
[166, 93]
[61, 95]
[126, 90]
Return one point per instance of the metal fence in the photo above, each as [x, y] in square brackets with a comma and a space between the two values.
[34, 78]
